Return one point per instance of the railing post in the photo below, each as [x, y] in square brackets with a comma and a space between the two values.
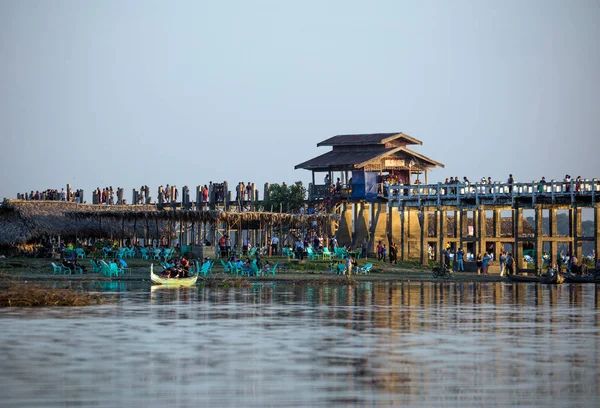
[572, 191]
[533, 192]
[457, 193]
[593, 191]
[439, 197]
[477, 194]
[419, 195]
[553, 191]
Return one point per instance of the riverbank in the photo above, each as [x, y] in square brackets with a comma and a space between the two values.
[310, 271]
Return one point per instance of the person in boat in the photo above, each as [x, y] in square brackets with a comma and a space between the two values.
[185, 266]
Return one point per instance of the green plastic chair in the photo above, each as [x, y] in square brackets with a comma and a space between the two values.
[273, 269]
[255, 269]
[233, 268]
[341, 269]
[114, 269]
[326, 254]
[95, 267]
[289, 253]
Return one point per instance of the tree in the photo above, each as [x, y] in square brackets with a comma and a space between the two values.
[290, 198]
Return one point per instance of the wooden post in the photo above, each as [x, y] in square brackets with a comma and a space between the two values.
[517, 215]
[423, 220]
[402, 232]
[577, 243]
[597, 230]
[539, 235]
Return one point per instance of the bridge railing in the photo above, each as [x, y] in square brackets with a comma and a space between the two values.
[494, 191]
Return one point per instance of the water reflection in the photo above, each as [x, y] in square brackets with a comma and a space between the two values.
[414, 344]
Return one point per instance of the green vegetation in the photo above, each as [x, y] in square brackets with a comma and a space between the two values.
[289, 198]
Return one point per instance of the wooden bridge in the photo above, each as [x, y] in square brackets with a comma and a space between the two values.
[474, 214]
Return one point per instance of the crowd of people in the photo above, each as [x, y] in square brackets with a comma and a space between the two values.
[108, 195]
[53, 195]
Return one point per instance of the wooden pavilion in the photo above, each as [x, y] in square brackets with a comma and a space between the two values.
[366, 161]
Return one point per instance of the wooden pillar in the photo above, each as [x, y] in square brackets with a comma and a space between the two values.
[402, 212]
[414, 233]
[539, 235]
[361, 226]
[553, 234]
[378, 225]
[442, 232]
[577, 244]
[597, 230]
[438, 233]
[344, 232]
[497, 223]
[424, 220]
[481, 230]
[460, 213]
[517, 222]
[394, 224]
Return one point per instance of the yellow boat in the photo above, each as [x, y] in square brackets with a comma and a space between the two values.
[157, 280]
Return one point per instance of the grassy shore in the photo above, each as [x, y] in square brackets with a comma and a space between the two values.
[310, 271]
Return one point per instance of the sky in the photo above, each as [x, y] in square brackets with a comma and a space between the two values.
[130, 93]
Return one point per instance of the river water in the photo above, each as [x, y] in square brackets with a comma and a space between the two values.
[374, 344]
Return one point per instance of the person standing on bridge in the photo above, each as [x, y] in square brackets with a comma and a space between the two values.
[542, 185]
[510, 182]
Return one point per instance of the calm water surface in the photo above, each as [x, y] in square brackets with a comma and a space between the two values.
[375, 344]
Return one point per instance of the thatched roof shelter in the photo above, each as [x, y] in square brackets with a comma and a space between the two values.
[25, 221]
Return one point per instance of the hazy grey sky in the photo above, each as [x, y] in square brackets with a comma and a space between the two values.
[125, 93]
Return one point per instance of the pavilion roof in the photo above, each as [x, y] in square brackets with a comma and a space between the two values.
[368, 139]
[334, 160]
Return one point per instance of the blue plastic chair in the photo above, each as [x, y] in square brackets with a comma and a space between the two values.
[57, 268]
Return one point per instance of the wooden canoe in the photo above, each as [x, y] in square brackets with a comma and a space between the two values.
[552, 279]
[523, 278]
[572, 278]
[157, 280]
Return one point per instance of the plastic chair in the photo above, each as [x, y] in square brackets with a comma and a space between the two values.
[156, 254]
[273, 269]
[107, 269]
[57, 268]
[326, 254]
[114, 269]
[95, 267]
[80, 253]
[144, 253]
[226, 267]
[289, 253]
[341, 269]
[255, 269]
[365, 269]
